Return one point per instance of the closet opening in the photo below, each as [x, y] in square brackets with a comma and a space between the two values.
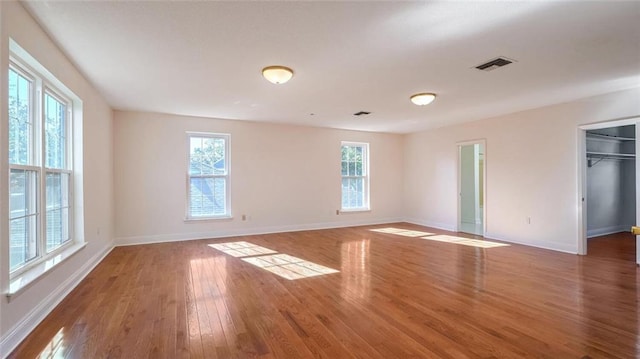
[610, 191]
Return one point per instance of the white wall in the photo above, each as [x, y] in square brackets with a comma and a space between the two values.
[531, 169]
[19, 316]
[282, 177]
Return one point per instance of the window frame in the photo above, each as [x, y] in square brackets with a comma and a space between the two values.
[40, 86]
[366, 200]
[226, 176]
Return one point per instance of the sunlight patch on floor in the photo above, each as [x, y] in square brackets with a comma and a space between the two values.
[465, 241]
[284, 265]
[55, 347]
[479, 243]
[289, 267]
[401, 232]
[241, 249]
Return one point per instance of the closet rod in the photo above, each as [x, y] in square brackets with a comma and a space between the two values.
[601, 157]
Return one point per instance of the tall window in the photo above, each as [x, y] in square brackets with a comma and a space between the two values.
[208, 176]
[355, 176]
[40, 170]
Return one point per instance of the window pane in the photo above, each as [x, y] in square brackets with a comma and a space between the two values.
[57, 227]
[195, 155]
[20, 127]
[350, 153]
[23, 202]
[345, 168]
[57, 208]
[352, 192]
[359, 182]
[218, 156]
[345, 193]
[55, 113]
[23, 193]
[22, 241]
[208, 197]
[207, 156]
[57, 190]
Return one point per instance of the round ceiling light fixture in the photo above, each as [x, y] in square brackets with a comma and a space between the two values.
[277, 74]
[422, 99]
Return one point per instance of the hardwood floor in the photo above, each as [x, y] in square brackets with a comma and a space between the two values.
[614, 246]
[400, 294]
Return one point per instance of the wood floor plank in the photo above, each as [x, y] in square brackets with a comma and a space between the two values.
[400, 293]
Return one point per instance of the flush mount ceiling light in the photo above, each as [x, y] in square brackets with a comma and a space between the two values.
[422, 99]
[277, 74]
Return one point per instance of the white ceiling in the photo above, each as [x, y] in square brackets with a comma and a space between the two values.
[205, 58]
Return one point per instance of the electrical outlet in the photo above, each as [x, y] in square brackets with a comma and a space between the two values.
[244, 217]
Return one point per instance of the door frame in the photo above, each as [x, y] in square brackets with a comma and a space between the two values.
[581, 198]
[459, 145]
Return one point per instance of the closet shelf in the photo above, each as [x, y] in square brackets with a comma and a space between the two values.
[610, 137]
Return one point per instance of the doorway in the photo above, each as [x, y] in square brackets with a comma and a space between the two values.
[609, 188]
[471, 187]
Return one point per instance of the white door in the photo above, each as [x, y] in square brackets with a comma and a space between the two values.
[471, 188]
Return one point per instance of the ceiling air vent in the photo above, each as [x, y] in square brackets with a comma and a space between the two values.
[494, 64]
[361, 113]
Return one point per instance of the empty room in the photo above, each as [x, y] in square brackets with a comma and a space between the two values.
[319, 179]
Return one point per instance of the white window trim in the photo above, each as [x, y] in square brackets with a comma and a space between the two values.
[40, 87]
[24, 280]
[44, 82]
[366, 174]
[227, 176]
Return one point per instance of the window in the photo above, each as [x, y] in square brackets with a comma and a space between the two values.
[355, 176]
[40, 169]
[208, 176]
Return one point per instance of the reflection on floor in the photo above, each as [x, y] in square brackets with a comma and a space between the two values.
[479, 243]
[55, 348]
[284, 265]
[613, 246]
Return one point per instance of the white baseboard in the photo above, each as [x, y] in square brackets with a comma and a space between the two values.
[607, 230]
[444, 226]
[553, 246]
[559, 247]
[19, 332]
[175, 237]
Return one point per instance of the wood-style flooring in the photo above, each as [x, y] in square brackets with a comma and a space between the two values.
[613, 246]
[407, 293]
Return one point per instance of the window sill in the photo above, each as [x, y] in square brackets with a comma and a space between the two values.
[355, 210]
[23, 281]
[205, 219]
